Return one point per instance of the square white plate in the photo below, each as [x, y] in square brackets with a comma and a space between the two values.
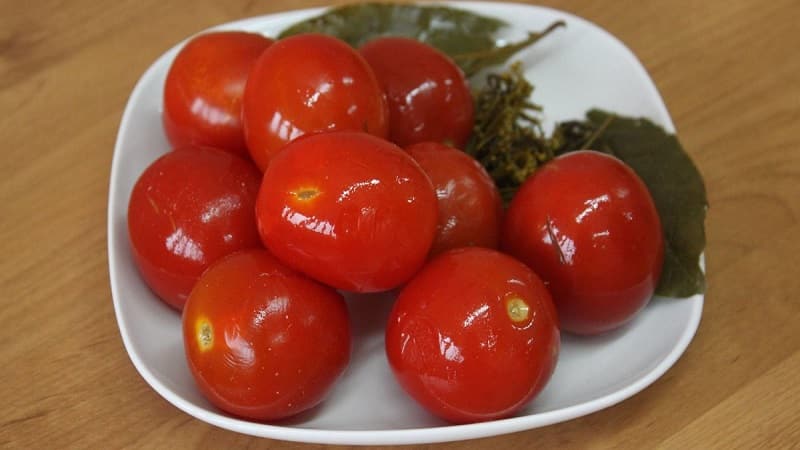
[574, 69]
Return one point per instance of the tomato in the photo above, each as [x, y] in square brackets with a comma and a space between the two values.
[349, 209]
[470, 207]
[189, 208]
[429, 98]
[263, 341]
[204, 88]
[308, 83]
[473, 336]
[587, 225]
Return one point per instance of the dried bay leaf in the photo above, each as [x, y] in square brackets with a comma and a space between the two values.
[466, 37]
[674, 182]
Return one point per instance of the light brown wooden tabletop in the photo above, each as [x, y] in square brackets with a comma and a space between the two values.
[729, 72]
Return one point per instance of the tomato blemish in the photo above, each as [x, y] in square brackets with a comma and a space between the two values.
[153, 204]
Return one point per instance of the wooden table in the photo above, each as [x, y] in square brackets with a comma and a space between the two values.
[729, 72]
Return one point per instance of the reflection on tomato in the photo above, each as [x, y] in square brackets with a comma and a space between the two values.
[308, 83]
[470, 207]
[429, 98]
[263, 341]
[204, 88]
[189, 208]
[587, 225]
[473, 336]
[349, 209]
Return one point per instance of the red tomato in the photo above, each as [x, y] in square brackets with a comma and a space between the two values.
[204, 88]
[189, 208]
[473, 336]
[263, 341]
[307, 83]
[470, 207]
[349, 209]
[587, 225]
[429, 98]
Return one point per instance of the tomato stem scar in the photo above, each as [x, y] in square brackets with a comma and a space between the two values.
[517, 309]
[205, 334]
[305, 194]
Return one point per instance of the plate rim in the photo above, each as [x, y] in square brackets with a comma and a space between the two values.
[404, 436]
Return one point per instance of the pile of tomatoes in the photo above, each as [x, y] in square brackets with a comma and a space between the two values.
[303, 168]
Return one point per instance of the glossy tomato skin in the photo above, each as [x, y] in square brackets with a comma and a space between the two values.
[262, 341]
[588, 226]
[189, 208]
[429, 97]
[308, 83]
[349, 209]
[470, 207]
[473, 336]
[204, 89]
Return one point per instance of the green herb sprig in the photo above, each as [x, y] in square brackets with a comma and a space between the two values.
[507, 138]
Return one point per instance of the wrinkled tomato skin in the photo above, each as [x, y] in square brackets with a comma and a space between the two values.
[262, 341]
[204, 89]
[189, 208]
[309, 83]
[470, 207]
[588, 226]
[349, 209]
[428, 95]
[454, 345]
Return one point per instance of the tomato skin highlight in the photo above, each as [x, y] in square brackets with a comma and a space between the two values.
[262, 341]
[428, 95]
[588, 226]
[189, 208]
[204, 88]
[349, 209]
[473, 336]
[470, 207]
[309, 83]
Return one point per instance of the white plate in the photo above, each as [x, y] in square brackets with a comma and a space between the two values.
[574, 69]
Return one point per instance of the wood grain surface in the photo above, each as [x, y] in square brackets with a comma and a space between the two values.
[729, 72]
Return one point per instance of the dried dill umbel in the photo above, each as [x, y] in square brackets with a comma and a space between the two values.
[508, 139]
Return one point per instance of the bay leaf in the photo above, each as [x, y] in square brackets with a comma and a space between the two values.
[674, 182]
[466, 37]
